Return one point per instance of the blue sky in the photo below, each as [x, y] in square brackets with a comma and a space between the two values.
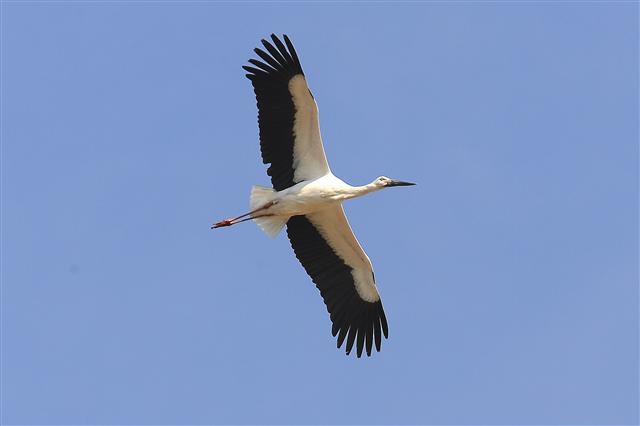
[509, 274]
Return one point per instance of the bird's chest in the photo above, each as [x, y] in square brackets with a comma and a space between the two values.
[305, 200]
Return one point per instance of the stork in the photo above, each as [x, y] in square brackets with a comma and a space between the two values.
[308, 198]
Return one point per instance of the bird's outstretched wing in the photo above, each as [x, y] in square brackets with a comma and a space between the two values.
[330, 253]
[287, 116]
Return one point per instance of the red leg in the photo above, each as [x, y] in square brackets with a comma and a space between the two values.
[233, 221]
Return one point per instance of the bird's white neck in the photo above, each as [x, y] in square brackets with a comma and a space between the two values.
[359, 191]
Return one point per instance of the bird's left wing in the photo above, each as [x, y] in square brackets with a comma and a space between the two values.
[287, 116]
[330, 253]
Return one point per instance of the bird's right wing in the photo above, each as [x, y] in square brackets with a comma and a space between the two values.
[287, 116]
[330, 253]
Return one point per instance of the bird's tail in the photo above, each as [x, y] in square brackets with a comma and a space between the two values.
[260, 196]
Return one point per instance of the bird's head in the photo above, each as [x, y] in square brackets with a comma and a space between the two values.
[385, 182]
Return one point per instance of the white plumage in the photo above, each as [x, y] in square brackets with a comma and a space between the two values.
[308, 198]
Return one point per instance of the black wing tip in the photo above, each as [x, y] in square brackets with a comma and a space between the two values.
[383, 320]
[276, 39]
[366, 334]
[265, 43]
[283, 60]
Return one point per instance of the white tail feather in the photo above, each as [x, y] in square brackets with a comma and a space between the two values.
[271, 225]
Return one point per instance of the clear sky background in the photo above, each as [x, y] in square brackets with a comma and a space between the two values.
[509, 274]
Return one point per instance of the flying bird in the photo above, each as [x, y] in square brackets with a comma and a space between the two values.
[308, 198]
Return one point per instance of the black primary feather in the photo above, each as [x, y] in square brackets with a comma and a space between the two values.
[276, 111]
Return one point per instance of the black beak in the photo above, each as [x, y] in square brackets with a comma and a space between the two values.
[399, 183]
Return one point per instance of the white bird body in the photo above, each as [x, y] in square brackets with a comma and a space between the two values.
[307, 197]
[313, 195]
